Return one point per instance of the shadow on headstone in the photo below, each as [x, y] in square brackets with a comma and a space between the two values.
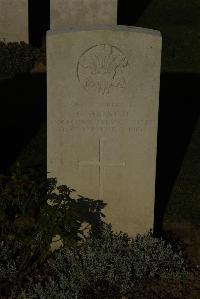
[39, 21]
[178, 113]
[90, 211]
[23, 109]
[129, 11]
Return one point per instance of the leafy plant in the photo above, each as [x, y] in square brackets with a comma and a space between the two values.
[32, 211]
[17, 58]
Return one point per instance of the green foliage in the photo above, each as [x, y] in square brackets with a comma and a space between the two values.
[11, 263]
[102, 263]
[154, 258]
[17, 58]
[32, 211]
[109, 265]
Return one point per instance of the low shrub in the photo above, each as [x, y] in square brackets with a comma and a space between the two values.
[98, 264]
[17, 58]
[109, 265]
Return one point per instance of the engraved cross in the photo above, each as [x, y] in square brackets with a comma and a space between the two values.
[101, 165]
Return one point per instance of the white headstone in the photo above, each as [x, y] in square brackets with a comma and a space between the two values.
[14, 20]
[72, 13]
[103, 96]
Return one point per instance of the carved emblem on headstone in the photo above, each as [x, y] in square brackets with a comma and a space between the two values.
[101, 68]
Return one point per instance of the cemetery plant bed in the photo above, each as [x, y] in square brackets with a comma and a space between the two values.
[164, 289]
[186, 238]
[102, 262]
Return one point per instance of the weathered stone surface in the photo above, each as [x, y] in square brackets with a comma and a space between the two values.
[66, 13]
[103, 95]
[14, 20]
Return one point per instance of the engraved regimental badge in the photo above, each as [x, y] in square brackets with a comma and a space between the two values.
[101, 69]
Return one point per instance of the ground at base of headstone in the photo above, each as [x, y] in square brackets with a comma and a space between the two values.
[168, 289]
[187, 239]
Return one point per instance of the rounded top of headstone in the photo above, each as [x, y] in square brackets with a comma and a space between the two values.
[105, 27]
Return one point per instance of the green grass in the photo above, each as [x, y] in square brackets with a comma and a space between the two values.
[184, 202]
[179, 23]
